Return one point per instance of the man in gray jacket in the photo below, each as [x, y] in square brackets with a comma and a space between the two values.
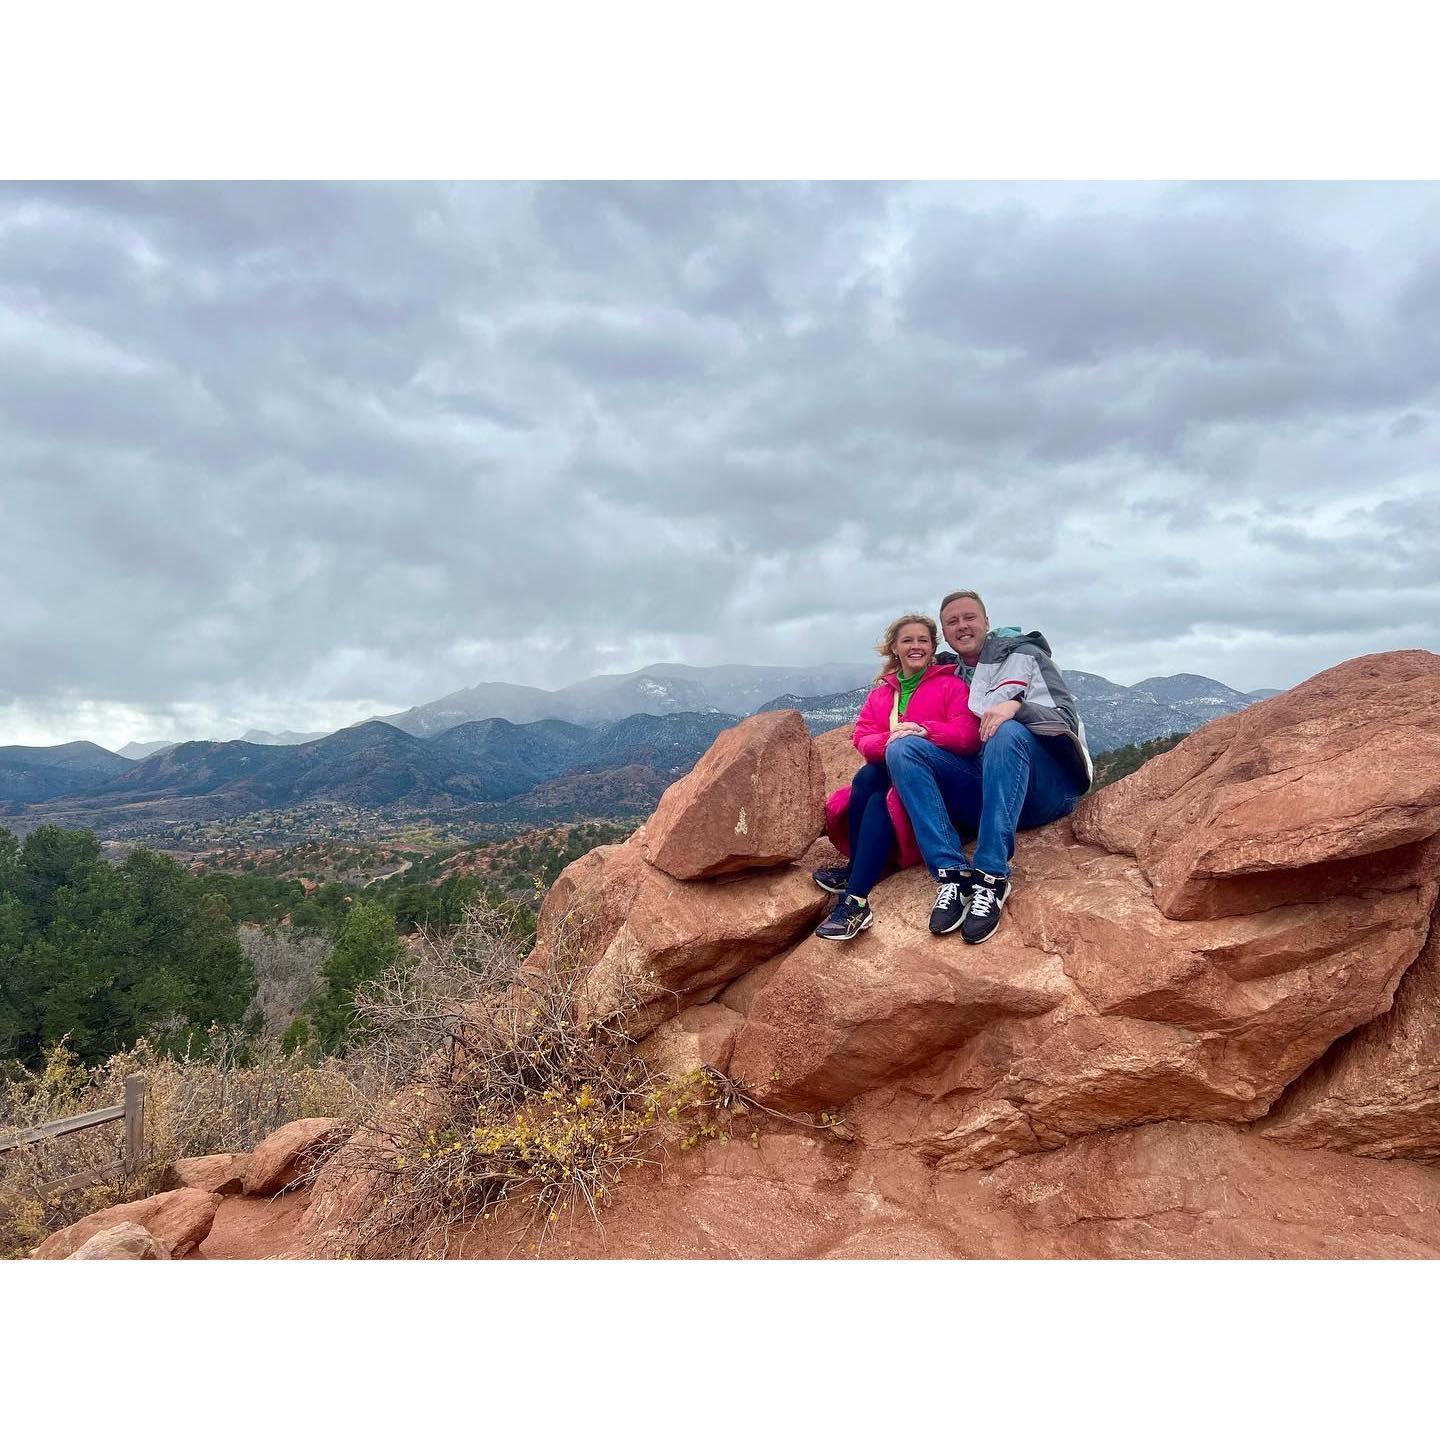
[1032, 768]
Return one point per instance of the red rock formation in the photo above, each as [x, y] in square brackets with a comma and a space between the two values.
[282, 1158]
[178, 1219]
[1273, 804]
[1199, 964]
[750, 802]
[1377, 1092]
[223, 1174]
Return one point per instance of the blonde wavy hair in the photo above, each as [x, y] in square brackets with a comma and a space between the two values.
[886, 646]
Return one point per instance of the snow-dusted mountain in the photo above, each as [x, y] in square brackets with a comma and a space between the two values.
[662, 689]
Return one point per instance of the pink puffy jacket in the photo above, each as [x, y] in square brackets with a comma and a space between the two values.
[941, 703]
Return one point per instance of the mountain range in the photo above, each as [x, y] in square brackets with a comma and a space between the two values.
[606, 763]
[374, 765]
[656, 690]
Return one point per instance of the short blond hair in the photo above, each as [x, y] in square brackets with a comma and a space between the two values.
[886, 647]
[965, 595]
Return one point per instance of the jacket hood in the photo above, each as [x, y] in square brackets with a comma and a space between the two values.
[999, 644]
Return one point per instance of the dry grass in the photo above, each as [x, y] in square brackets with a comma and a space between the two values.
[502, 1091]
[226, 1100]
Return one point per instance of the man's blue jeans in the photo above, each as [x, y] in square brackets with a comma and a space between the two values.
[1016, 782]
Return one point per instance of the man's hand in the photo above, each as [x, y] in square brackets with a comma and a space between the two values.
[996, 716]
[906, 728]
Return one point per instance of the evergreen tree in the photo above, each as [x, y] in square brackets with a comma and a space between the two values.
[365, 948]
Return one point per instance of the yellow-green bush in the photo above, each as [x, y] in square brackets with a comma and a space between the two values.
[502, 1089]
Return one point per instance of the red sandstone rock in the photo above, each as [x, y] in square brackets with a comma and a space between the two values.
[1132, 1017]
[1243, 815]
[344, 1187]
[1190, 1020]
[125, 1241]
[702, 1035]
[836, 1019]
[1084, 1083]
[1377, 1092]
[647, 939]
[752, 801]
[178, 1219]
[1178, 1191]
[282, 1158]
[224, 1173]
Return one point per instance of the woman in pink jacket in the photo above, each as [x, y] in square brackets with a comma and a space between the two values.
[912, 696]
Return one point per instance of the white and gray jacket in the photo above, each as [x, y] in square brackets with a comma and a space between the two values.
[1019, 667]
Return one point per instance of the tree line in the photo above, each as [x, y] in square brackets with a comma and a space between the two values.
[102, 954]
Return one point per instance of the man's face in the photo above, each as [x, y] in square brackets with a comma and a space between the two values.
[965, 625]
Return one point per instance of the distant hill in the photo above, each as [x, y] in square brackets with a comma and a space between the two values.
[285, 737]
[823, 712]
[30, 773]
[374, 765]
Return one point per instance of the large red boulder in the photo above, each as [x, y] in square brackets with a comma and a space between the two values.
[285, 1157]
[649, 941]
[223, 1173]
[833, 1020]
[1332, 785]
[178, 1219]
[754, 800]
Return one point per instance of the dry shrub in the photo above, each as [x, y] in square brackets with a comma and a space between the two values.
[228, 1099]
[287, 969]
[502, 1090]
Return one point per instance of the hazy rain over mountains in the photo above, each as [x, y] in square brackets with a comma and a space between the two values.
[287, 456]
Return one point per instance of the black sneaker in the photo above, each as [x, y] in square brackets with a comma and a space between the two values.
[986, 900]
[952, 900]
[846, 920]
[833, 878]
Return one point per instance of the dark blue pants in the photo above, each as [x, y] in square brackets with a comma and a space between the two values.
[872, 833]
[1016, 782]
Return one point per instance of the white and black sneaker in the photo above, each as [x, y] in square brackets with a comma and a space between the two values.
[833, 878]
[987, 899]
[951, 901]
[846, 920]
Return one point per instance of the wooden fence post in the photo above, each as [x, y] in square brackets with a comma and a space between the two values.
[134, 1122]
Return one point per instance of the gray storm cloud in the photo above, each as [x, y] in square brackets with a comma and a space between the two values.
[289, 454]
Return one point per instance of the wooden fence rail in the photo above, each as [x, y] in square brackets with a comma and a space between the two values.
[132, 1112]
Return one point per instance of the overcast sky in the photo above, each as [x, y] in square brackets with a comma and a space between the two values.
[287, 456]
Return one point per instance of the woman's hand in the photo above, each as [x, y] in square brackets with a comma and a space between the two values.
[996, 716]
[906, 728]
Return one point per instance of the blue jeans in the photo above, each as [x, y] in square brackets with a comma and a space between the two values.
[1016, 782]
[872, 833]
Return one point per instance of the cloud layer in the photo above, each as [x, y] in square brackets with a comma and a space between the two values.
[286, 455]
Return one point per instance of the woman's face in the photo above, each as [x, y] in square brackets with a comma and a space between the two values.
[914, 648]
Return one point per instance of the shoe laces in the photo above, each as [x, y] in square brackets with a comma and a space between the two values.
[947, 894]
[981, 899]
